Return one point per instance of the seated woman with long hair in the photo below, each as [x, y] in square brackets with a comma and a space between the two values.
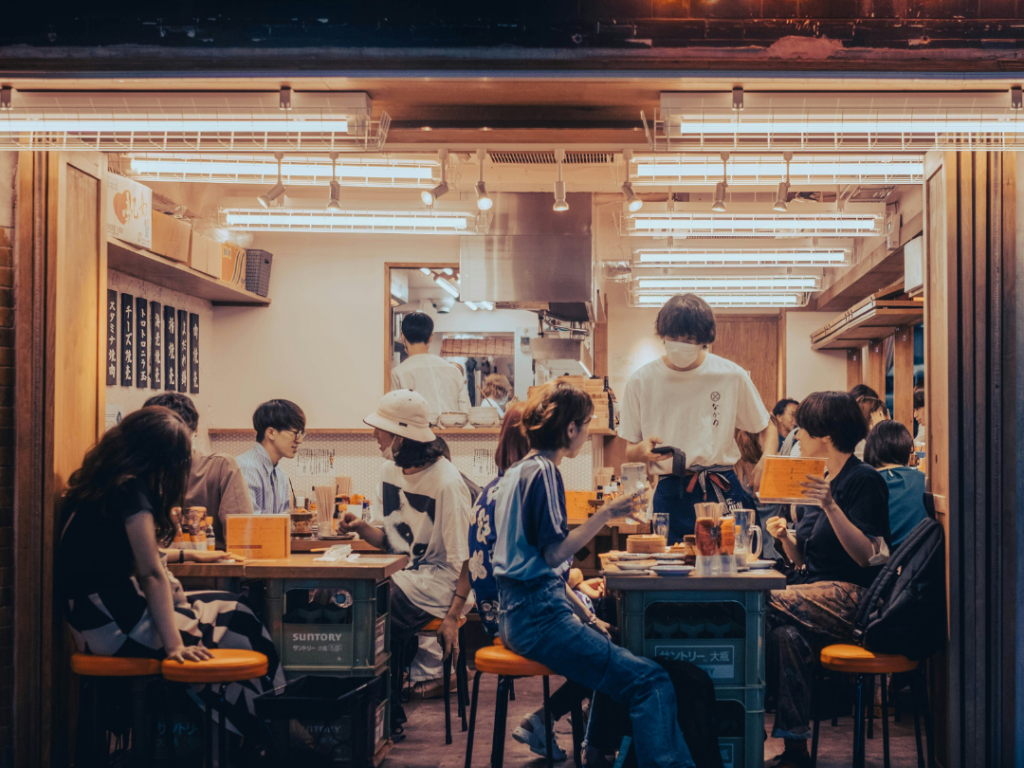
[118, 596]
[533, 545]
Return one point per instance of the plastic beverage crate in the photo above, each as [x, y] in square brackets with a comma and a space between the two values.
[740, 716]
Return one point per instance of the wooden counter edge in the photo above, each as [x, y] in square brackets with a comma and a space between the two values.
[305, 568]
[752, 581]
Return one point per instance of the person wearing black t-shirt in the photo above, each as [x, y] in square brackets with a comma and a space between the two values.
[839, 547]
[118, 596]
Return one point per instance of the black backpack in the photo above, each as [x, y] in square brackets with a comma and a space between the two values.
[695, 706]
[904, 612]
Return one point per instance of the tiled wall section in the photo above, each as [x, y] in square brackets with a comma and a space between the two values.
[323, 457]
[127, 399]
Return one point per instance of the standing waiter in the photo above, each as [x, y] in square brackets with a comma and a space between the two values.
[694, 401]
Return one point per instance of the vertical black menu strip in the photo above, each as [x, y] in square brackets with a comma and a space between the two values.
[170, 349]
[111, 338]
[182, 350]
[142, 343]
[127, 340]
[193, 353]
[156, 351]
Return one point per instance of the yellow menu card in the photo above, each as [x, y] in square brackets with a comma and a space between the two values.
[782, 478]
[259, 537]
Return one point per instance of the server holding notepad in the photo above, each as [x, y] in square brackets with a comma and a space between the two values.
[692, 401]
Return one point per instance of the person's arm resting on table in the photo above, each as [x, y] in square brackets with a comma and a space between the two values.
[556, 553]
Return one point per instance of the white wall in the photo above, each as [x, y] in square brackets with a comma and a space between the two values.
[321, 341]
[124, 400]
[806, 370]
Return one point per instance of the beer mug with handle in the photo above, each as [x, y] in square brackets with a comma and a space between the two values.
[747, 533]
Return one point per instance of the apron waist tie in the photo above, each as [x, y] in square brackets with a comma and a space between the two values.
[715, 475]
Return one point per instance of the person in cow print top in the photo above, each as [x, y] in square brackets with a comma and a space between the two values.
[422, 509]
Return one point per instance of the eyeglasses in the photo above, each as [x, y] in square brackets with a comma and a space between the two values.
[300, 434]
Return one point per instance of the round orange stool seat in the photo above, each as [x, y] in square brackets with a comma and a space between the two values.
[435, 625]
[497, 660]
[859, 661]
[88, 665]
[228, 665]
[497, 643]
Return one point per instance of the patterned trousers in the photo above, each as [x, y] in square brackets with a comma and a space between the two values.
[801, 620]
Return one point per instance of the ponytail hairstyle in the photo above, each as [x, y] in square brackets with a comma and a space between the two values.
[550, 412]
[513, 444]
[153, 445]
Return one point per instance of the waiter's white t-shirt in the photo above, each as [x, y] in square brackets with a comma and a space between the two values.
[695, 411]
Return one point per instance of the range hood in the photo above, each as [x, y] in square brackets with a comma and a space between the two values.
[564, 356]
[533, 257]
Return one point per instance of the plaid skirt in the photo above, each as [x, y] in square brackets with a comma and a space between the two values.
[116, 621]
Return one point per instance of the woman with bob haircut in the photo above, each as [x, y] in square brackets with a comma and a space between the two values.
[890, 450]
[838, 548]
[422, 506]
[119, 598]
[531, 551]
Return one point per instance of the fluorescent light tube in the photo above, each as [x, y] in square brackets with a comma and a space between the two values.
[472, 305]
[749, 170]
[728, 283]
[447, 286]
[754, 225]
[295, 170]
[361, 222]
[729, 257]
[728, 300]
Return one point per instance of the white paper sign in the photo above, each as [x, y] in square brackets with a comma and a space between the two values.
[129, 211]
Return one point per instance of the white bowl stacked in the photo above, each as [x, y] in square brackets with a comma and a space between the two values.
[483, 416]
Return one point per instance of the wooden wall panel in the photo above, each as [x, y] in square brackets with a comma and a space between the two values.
[875, 377]
[854, 367]
[751, 341]
[903, 377]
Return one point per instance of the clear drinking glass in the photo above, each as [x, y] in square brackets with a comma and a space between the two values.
[661, 524]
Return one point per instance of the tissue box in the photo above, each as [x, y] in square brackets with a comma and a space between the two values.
[259, 537]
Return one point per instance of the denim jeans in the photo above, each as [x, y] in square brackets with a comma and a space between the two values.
[537, 622]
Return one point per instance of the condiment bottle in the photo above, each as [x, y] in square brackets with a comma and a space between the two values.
[211, 540]
[366, 510]
[199, 537]
[176, 519]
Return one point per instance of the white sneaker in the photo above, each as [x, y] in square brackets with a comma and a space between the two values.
[534, 739]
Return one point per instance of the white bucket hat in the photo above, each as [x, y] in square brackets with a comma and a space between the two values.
[403, 413]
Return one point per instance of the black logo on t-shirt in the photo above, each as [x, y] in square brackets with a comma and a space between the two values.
[715, 397]
[408, 525]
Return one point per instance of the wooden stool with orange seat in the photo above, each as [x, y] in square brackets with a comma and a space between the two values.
[228, 665]
[854, 660]
[461, 678]
[88, 750]
[498, 660]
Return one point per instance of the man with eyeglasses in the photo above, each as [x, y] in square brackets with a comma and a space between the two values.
[280, 429]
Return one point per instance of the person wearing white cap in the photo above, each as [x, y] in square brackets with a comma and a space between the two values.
[426, 510]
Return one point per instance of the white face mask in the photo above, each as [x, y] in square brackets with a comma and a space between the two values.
[681, 354]
[389, 452]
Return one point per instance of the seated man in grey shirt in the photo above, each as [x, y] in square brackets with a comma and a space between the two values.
[215, 481]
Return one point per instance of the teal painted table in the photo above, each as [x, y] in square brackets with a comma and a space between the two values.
[717, 623]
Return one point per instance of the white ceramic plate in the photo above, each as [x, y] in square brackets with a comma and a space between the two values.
[670, 556]
[672, 570]
[636, 565]
[629, 556]
[760, 565]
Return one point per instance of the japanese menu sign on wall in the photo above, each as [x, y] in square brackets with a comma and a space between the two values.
[182, 350]
[111, 338]
[127, 340]
[156, 324]
[193, 358]
[142, 343]
[170, 348]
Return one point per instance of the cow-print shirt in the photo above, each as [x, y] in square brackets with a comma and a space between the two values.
[427, 517]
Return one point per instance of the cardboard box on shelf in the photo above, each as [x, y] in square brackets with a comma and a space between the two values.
[129, 211]
[204, 255]
[171, 237]
[232, 264]
[259, 537]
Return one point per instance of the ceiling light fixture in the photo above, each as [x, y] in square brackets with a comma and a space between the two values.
[298, 170]
[702, 285]
[277, 190]
[808, 256]
[483, 200]
[633, 203]
[759, 169]
[471, 304]
[848, 121]
[729, 300]
[429, 196]
[751, 220]
[334, 203]
[718, 206]
[782, 194]
[488, 305]
[425, 271]
[560, 202]
[447, 286]
[350, 221]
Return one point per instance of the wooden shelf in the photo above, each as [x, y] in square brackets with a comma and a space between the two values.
[177, 277]
[866, 322]
[243, 432]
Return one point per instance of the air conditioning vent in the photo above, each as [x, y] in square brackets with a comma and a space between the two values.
[548, 158]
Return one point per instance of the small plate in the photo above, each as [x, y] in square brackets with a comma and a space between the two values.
[630, 556]
[670, 556]
[342, 537]
[760, 565]
[672, 570]
[636, 565]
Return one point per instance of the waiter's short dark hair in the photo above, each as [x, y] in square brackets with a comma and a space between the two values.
[417, 327]
[279, 415]
[918, 398]
[686, 316]
[550, 411]
[888, 443]
[180, 404]
[833, 414]
[782, 405]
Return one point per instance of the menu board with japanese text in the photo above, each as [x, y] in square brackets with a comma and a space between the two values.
[142, 343]
[193, 353]
[170, 349]
[111, 338]
[156, 321]
[182, 350]
[783, 478]
[127, 340]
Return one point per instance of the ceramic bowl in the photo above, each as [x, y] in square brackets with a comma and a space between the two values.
[453, 420]
[483, 417]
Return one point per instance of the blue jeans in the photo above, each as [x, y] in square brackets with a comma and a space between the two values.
[671, 496]
[537, 622]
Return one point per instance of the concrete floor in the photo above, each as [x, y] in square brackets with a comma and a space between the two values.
[424, 745]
